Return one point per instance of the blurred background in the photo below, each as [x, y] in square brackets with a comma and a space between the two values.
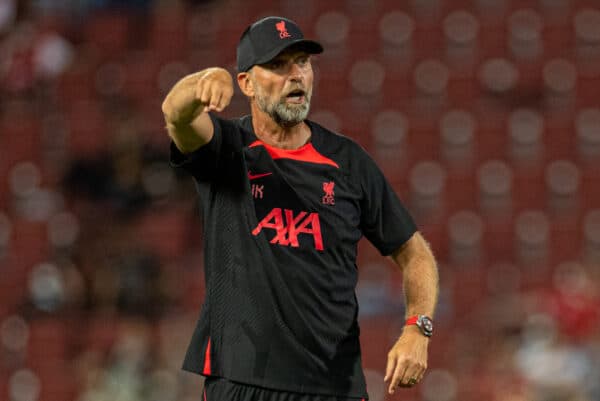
[484, 115]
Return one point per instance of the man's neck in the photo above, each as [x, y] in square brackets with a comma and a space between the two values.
[275, 135]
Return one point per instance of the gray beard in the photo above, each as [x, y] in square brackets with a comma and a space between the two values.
[285, 115]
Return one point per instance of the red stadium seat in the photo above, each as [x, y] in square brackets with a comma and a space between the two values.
[204, 25]
[20, 139]
[390, 129]
[492, 13]
[457, 140]
[108, 32]
[168, 35]
[469, 280]
[155, 226]
[29, 243]
[25, 177]
[556, 12]
[332, 29]
[5, 234]
[495, 180]
[591, 234]
[498, 76]
[78, 83]
[560, 81]
[389, 145]
[63, 230]
[24, 384]
[525, 34]
[100, 333]
[427, 184]
[110, 78]
[169, 74]
[54, 136]
[563, 179]
[89, 133]
[587, 34]
[48, 343]
[367, 78]
[141, 82]
[587, 127]
[14, 334]
[431, 79]
[503, 278]
[461, 32]
[532, 237]
[58, 383]
[427, 12]
[327, 118]
[465, 234]
[525, 131]
[4, 387]
[304, 15]
[396, 34]
[430, 94]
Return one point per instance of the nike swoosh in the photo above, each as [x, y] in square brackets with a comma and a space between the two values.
[255, 176]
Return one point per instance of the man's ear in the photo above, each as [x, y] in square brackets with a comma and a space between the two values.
[245, 83]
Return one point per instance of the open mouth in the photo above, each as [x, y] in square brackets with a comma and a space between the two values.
[296, 96]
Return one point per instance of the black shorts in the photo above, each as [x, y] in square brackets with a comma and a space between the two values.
[219, 389]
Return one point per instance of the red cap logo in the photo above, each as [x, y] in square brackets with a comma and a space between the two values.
[283, 33]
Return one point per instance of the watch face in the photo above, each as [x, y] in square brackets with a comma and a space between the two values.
[426, 325]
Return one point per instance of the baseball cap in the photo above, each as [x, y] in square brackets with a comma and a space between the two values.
[266, 38]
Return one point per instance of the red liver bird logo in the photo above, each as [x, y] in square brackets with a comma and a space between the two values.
[283, 33]
[328, 199]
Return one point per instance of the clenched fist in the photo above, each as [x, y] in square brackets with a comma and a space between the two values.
[186, 104]
[207, 90]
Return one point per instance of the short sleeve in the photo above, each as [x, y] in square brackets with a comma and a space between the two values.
[201, 163]
[385, 222]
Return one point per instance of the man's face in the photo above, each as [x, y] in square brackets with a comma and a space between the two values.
[283, 87]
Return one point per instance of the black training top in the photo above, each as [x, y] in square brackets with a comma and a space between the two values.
[281, 229]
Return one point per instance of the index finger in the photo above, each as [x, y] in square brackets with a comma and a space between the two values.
[397, 377]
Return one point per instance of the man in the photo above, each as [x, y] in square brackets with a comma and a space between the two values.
[284, 203]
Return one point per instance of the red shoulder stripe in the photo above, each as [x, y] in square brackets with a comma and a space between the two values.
[306, 153]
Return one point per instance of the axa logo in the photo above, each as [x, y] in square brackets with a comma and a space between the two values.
[328, 198]
[283, 33]
[287, 227]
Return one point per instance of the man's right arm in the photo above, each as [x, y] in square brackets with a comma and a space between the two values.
[187, 104]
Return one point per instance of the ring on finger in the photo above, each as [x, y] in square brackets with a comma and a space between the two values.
[412, 381]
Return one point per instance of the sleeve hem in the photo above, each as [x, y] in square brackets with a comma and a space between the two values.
[179, 159]
[389, 249]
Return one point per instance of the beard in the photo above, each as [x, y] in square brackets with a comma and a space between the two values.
[284, 114]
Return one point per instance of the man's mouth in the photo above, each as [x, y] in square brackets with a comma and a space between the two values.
[296, 96]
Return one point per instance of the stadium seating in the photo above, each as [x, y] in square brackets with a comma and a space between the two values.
[483, 115]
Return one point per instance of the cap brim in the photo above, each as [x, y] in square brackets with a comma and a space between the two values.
[309, 46]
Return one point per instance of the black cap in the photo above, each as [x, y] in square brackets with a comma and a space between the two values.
[265, 39]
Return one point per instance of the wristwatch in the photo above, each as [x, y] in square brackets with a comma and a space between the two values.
[424, 323]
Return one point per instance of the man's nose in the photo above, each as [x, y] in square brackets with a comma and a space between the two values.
[296, 72]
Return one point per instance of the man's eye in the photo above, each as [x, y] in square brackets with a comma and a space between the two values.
[276, 64]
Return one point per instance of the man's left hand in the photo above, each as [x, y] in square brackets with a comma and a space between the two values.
[407, 360]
